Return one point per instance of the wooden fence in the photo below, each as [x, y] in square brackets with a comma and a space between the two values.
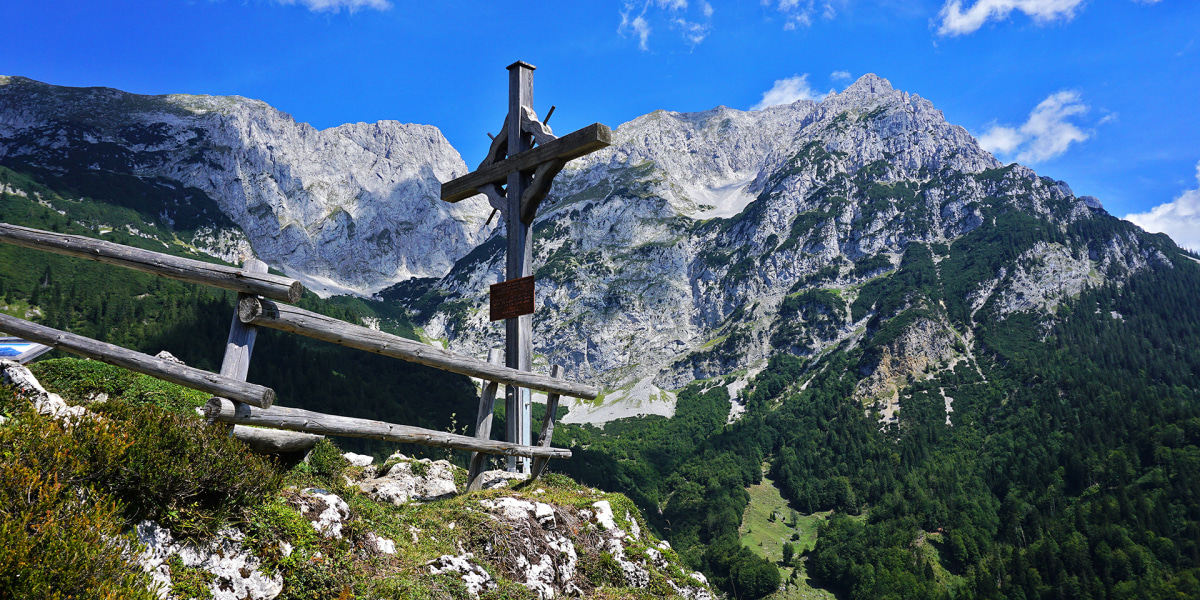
[259, 295]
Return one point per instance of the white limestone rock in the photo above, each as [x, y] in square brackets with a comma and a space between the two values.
[46, 403]
[498, 479]
[380, 544]
[236, 571]
[411, 480]
[358, 460]
[474, 576]
[326, 511]
[167, 356]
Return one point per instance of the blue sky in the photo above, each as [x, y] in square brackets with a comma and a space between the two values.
[1104, 94]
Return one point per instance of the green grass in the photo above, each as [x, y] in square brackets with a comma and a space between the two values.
[18, 308]
[761, 535]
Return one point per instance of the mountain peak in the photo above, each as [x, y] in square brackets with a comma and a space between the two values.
[869, 84]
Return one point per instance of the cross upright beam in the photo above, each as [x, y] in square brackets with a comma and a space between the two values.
[518, 345]
[525, 172]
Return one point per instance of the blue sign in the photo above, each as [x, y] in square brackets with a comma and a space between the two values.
[9, 350]
[20, 350]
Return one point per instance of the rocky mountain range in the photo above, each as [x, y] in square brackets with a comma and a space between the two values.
[697, 246]
[672, 255]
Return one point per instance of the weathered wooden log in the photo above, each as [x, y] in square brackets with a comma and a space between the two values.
[483, 423]
[166, 370]
[294, 419]
[156, 263]
[297, 320]
[539, 463]
[274, 441]
[573, 145]
[239, 345]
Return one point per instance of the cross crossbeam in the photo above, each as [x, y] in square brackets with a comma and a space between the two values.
[570, 146]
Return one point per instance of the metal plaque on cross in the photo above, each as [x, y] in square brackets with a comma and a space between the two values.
[515, 176]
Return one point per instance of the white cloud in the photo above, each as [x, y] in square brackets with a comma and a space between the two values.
[800, 13]
[840, 76]
[338, 5]
[1179, 219]
[1045, 135]
[636, 19]
[787, 91]
[956, 21]
[1001, 140]
[692, 32]
[637, 25]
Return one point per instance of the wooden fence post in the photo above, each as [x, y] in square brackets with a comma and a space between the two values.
[240, 343]
[483, 423]
[236, 365]
[539, 463]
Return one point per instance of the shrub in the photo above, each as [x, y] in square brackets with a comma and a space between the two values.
[183, 474]
[326, 460]
[601, 569]
[59, 537]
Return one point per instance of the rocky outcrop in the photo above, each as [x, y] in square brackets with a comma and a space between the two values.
[17, 375]
[234, 571]
[920, 351]
[336, 527]
[407, 480]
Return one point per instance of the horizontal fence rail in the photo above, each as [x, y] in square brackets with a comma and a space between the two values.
[166, 370]
[241, 403]
[294, 419]
[293, 319]
[275, 287]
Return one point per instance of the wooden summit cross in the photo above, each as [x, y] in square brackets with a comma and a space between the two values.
[515, 176]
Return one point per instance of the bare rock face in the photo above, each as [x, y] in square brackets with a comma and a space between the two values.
[351, 209]
[542, 545]
[920, 348]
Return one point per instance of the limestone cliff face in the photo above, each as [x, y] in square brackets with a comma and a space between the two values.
[353, 208]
